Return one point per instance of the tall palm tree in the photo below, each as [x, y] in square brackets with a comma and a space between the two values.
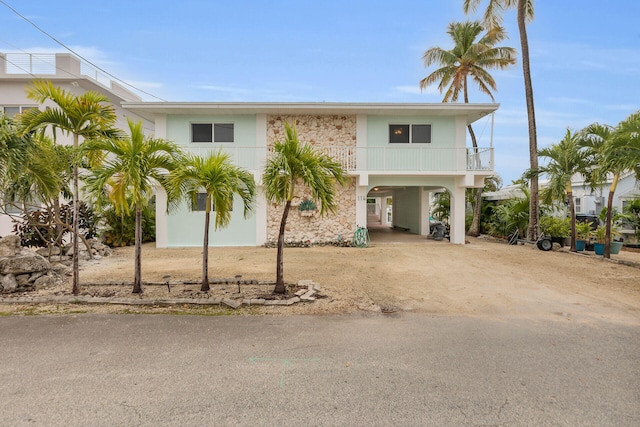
[493, 19]
[293, 163]
[469, 59]
[86, 116]
[566, 159]
[131, 167]
[617, 152]
[220, 180]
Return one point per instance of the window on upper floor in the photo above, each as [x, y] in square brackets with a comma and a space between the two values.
[13, 110]
[211, 132]
[409, 134]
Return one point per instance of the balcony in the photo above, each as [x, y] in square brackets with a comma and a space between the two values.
[420, 160]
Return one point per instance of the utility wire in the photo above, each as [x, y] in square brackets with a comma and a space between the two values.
[77, 54]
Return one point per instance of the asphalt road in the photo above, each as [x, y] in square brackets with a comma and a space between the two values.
[358, 370]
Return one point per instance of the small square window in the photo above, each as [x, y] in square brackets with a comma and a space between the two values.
[399, 134]
[421, 134]
[201, 132]
[200, 202]
[223, 132]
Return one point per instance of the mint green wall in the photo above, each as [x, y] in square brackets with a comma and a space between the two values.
[406, 208]
[186, 228]
[443, 130]
[179, 129]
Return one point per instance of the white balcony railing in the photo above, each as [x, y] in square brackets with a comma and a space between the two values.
[380, 159]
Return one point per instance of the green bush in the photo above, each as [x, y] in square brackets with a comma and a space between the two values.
[120, 227]
[555, 226]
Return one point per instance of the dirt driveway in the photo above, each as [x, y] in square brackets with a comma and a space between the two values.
[482, 278]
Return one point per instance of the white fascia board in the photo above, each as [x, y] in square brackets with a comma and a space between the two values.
[472, 112]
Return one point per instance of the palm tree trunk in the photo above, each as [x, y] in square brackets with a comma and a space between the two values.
[280, 289]
[474, 230]
[76, 218]
[137, 281]
[572, 210]
[531, 115]
[607, 236]
[205, 248]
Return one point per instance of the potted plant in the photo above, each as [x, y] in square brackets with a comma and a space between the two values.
[599, 235]
[307, 207]
[559, 229]
[583, 233]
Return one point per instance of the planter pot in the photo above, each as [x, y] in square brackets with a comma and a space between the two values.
[581, 245]
[598, 248]
[615, 247]
[307, 213]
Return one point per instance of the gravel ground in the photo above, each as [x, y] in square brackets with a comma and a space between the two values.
[483, 278]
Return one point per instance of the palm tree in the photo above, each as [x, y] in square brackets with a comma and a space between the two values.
[621, 155]
[293, 163]
[566, 159]
[130, 169]
[86, 116]
[468, 60]
[220, 180]
[493, 19]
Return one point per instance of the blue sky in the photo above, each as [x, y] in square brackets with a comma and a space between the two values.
[585, 55]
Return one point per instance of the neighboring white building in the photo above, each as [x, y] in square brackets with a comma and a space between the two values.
[402, 151]
[588, 201]
[18, 70]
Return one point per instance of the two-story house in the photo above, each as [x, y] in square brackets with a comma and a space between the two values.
[403, 151]
[18, 70]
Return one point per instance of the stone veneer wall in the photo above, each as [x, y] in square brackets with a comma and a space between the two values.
[319, 131]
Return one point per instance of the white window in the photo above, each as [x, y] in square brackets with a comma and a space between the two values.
[409, 134]
[212, 132]
[14, 110]
[578, 204]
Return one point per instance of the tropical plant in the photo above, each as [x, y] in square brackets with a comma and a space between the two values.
[220, 180]
[583, 230]
[492, 18]
[632, 210]
[37, 227]
[509, 215]
[600, 233]
[612, 152]
[442, 206]
[291, 164]
[566, 159]
[556, 226]
[469, 59]
[119, 228]
[86, 116]
[130, 168]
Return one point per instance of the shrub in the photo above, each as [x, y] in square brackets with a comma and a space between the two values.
[38, 227]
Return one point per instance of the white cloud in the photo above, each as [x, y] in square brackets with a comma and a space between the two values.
[415, 89]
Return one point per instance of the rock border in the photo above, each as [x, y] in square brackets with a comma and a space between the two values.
[303, 295]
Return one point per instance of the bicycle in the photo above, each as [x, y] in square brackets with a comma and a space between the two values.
[361, 237]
